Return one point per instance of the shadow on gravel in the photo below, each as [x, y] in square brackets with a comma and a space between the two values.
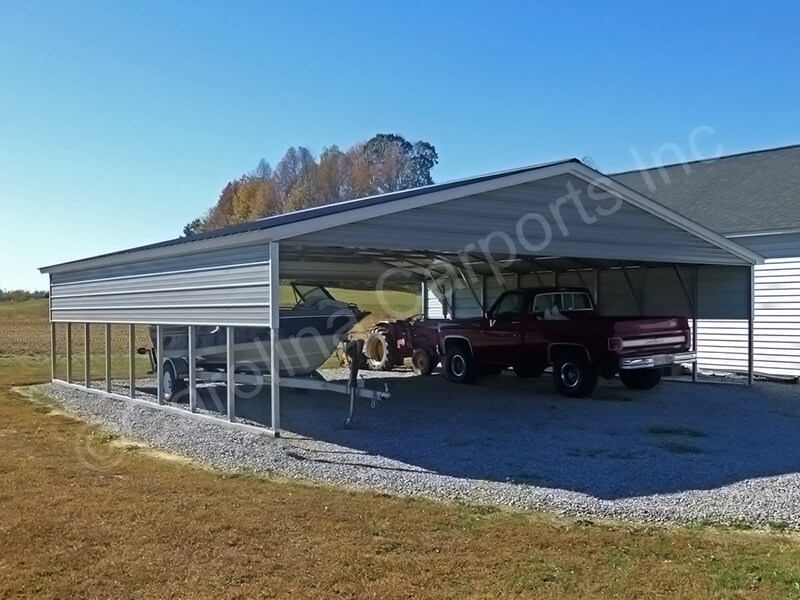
[617, 444]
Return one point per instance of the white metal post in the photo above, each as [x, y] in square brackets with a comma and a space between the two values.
[160, 363]
[274, 332]
[108, 357]
[231, 373]
[132, 353]
[53, 353]
[192, 374]
[751, 328]
[87, 355]
[695, 310]
[69, 352]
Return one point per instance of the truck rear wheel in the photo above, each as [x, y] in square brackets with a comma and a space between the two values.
[459, 365]
[381, 350]
[574, 375]
[640, 379]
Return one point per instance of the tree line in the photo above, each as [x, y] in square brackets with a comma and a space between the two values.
[384, 163]
[20, 295]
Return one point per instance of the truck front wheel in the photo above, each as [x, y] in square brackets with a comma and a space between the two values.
[459, 365]
[574, 375]
[640, 379]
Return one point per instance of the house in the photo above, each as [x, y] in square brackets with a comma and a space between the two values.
[751, 198]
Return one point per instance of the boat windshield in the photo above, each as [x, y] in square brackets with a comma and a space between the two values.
[310, 294]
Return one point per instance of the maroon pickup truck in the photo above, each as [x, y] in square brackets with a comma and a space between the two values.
[532, 329]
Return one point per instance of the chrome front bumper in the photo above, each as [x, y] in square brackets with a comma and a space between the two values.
[657, 360]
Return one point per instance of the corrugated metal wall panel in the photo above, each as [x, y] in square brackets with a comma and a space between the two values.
[434, 308]
[464, 303]
[615, 297]
[229, 295]
[496, 286]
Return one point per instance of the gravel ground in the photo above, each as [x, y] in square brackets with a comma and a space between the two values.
[680, 453]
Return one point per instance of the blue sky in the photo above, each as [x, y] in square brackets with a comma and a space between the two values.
[120, 122]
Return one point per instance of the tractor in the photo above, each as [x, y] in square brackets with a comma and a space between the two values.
[389, 343]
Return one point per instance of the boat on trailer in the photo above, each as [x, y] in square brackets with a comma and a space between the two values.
[310, 331]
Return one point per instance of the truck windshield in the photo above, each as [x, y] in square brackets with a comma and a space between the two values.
[508, 306]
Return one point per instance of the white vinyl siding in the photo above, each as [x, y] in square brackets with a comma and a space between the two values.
[722, 344]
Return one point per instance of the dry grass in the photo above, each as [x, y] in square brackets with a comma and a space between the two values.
[85, 515]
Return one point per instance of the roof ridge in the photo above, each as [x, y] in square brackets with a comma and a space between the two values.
[707, 160]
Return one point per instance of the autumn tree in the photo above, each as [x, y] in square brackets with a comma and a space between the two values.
[385, 163]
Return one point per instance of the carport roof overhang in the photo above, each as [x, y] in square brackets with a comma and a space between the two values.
[553, 217]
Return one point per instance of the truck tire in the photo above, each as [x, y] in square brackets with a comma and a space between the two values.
[574, 375]
[380, 349]
[640, 379]
[171, 384]
[423, 361]
[459, 364]
[527, 371]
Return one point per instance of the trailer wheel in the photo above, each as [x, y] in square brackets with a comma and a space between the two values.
[381, 350]
[528, 371]
[459, 365]
[423, 361]
[171, 384]
[574, 375]
[640, 379]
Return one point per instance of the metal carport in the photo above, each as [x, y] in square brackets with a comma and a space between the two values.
[465, 240]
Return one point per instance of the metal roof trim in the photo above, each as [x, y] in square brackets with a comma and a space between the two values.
[666, 214]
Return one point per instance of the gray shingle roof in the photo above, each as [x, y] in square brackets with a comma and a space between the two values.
[741, 193]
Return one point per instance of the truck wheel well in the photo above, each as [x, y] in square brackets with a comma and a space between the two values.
[556, 350]
[452, 342]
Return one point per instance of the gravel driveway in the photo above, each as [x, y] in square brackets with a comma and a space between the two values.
[682, 452]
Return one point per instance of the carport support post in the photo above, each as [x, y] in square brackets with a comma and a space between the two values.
[231, 373]
[53, 350]
[274, 331]
[160, 363]
[695, 310]
[69, 352]
[192, 374]
[751, 327]
[108, 357]
[87, 356]
[132, 354]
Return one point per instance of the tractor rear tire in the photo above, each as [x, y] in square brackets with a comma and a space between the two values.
[380, 349]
